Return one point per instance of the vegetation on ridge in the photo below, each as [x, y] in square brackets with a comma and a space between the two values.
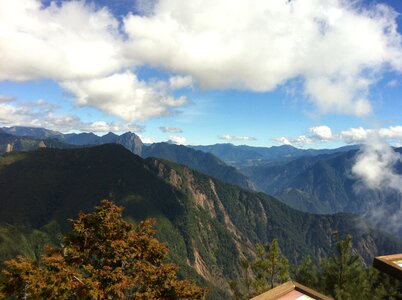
[104, 257]
[207, 224]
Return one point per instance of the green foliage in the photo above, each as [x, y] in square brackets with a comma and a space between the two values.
[104, 257]
[269, 269]
[201, 220]
[307, 273]
[343, 276]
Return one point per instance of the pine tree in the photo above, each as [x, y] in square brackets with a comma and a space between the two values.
[271, 267]
[103, 257]
[344, 276]
[307, 273]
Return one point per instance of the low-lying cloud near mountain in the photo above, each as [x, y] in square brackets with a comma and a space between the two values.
[375, 165]
[201, 43]
[358, 135]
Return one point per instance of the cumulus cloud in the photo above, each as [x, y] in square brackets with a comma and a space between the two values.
[316, 134]
[178, 140]
[322, 132]
[123, 95]
[80, 47]
[40, 114]
[362, 135]
[375, 165]
[358, 135]
[236, 138]
[318, 41]
[282, 140]
[70, 41]
[170, 129]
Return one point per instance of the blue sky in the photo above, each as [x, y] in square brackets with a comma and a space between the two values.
[196, 75]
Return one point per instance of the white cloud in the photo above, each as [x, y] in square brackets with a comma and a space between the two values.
[361, 135]
[123, 95]
[179, 82]
[146, 139]
[71, 41]
[321, 132]
[43, 115]
[303, 140]
[80, 47]
[170, 129]
[374, 165]
[358, 135]
[317, 40]
[354, 135]
[178, 140]
[236, 138]
[283, 141]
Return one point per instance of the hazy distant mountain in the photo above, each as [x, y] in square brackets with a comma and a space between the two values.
[200, 161]
[324, 184]
[129, 140]
[34, 132]
[9, 143]
[241, 156]
[207, 224]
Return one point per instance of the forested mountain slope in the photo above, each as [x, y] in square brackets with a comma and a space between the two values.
[207, 224]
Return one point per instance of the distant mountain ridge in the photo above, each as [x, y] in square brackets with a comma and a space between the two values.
[198, 160]
[325, 184]
[9, 143]
[243, 156]
[207, 224]
[129, 140]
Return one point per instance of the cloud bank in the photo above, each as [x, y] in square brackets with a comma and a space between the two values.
[203, 43]
[318, 41]
[358, 135]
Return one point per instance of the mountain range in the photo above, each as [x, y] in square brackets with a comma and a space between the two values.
[325, 184]
[246, 156]
[198, 160]
[207, 224]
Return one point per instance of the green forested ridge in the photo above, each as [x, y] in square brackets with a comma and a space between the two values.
[207, 224]
[341, 275]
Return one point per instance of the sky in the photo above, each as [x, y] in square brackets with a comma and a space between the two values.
[308, 73]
